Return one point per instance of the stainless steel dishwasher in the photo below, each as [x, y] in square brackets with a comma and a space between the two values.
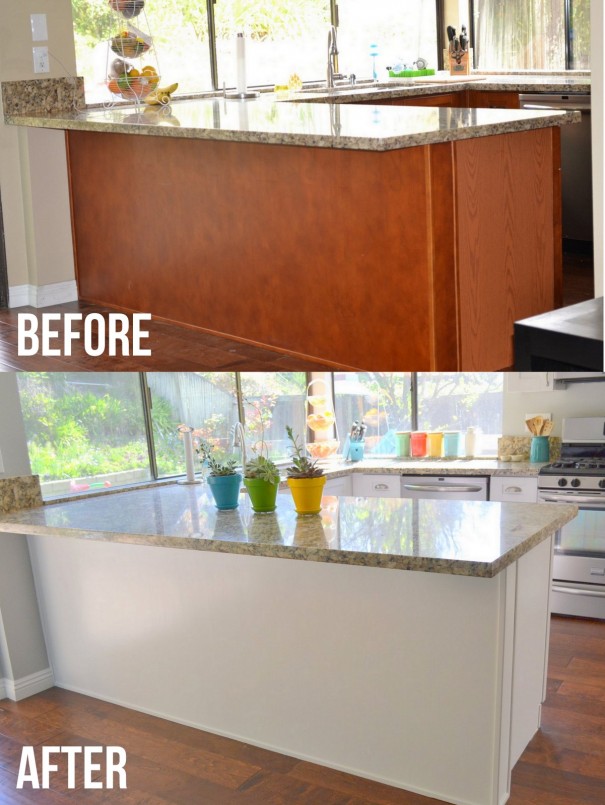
[446, 487]
[576, 161]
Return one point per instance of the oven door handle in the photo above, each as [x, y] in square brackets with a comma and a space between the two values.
[597, 501]
[575, 591]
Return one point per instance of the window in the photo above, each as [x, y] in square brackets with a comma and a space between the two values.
[526, 35]
[459, 400]
[104, 429]
[94, 430]
[400, 32]
[84, 429]
[382, 399]
[391, 401]
[194, 43]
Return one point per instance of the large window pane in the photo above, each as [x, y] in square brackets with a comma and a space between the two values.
[520, 34]
[84, 429]
[205, 401]
[179, 32]
[382, 399]
[271, 401]
[461, 400]
[402, 32]
[281, 38]
[580, 34]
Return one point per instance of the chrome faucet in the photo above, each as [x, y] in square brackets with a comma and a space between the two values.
[239, 440]
[332, 57]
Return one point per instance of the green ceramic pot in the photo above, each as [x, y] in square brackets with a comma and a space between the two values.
[262, 494]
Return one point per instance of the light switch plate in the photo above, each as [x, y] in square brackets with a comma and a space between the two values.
[1, 463]
[529, 416]
[41, 63]
[39, 27]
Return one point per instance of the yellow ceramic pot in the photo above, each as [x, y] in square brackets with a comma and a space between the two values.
[307, 493]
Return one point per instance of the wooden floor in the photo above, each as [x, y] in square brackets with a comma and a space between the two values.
[179, 349]
[167, 763]
[173, 349]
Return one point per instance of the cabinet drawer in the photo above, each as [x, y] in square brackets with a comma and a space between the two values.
[376, 486]
[339, 486]
[513, 488]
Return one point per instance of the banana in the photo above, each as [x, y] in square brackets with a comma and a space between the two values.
[161, 95]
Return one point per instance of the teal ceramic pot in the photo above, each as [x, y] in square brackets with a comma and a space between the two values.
[225, 490]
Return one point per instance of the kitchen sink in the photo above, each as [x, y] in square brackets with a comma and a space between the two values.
[359, 86]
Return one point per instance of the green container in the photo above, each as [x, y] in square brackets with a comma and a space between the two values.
[411, 73]
[402, 439]
[262, 494]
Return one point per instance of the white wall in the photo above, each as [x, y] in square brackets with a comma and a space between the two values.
[581, 399]
[33, 172]
[22, 646]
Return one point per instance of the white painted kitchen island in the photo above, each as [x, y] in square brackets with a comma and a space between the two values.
[409, 645]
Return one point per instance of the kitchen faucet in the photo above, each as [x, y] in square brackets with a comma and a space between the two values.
[239, 440]
[332, 58]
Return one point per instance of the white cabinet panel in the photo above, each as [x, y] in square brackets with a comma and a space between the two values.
[339, 486]
[514, 488]
[376, 486]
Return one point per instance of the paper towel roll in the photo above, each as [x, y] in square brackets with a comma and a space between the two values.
[240, 52]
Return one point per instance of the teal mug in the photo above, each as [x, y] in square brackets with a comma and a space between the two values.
[539, 449]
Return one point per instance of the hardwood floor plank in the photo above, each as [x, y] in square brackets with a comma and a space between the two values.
[169, 764]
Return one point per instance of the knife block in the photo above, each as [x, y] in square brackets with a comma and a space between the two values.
[462, 67]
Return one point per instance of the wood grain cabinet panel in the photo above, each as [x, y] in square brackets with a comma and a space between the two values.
[413, 259]
[484, 99]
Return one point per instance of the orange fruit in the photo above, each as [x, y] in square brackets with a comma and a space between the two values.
[149, 70]
[114, 86]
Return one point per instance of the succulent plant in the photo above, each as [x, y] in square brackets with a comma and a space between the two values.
[222, 466]
[262, 468]
[302, 466]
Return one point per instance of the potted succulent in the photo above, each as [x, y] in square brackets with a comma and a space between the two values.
[223, 479]
[261, 479]
[305, 479]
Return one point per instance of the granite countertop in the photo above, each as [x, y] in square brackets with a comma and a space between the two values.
[435, 85]
[264, 120]
[453, 537]
[427, 466]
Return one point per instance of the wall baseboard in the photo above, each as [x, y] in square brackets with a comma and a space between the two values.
[26, 686]
[42, 295]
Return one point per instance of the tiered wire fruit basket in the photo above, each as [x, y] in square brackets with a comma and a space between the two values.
[321, 419]
[132, 65]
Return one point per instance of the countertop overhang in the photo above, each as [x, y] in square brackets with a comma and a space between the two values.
[477, 539]
[319, 125]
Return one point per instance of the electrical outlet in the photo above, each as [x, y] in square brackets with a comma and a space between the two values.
[39, 27]
[1, 463]
[41, 63]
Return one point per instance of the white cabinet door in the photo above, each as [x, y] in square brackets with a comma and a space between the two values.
[513, 488]
[339, 486]
[376, 486]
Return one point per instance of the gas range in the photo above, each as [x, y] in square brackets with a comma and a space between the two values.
[582, 463]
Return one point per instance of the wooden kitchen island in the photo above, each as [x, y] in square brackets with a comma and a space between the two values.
[407, 641]
[390, 237]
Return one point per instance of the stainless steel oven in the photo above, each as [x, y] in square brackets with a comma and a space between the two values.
[579, 478]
